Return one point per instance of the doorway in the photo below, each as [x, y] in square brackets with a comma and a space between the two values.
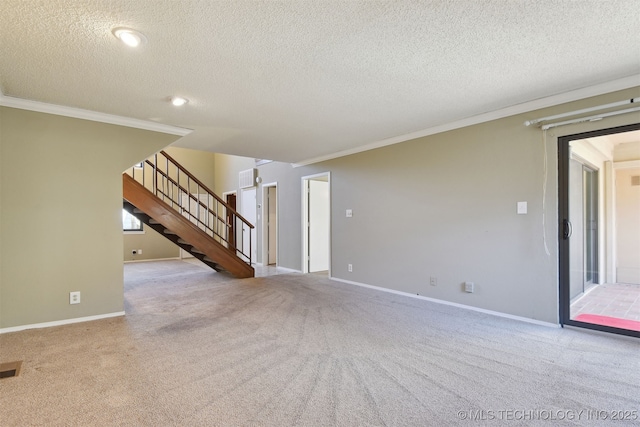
[270, 224]
[316, 223]
[593, 197]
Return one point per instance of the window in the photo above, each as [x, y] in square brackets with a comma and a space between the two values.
[130, 222]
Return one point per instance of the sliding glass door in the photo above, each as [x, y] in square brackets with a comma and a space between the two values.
[591, 295]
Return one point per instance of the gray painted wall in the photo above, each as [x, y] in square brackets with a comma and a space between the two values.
[61, 220]
[445, 206]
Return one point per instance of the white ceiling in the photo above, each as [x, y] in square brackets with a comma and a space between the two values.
[295, 80]
[617, 147]
[620, 138]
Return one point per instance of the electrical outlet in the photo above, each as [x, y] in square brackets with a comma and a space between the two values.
[433, 281]
[349, 213]
[74, 297]
[468, 287]
[139, 251]
[350, 268]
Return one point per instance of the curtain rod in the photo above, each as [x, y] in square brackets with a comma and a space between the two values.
[590, 118]
[584, 110]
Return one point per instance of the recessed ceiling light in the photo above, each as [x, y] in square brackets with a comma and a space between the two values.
[129, 37]
[178, 101]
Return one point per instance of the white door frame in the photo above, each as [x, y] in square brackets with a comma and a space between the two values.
[305, 219]
[265, 217]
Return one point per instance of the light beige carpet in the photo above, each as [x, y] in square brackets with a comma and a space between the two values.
[199, 348]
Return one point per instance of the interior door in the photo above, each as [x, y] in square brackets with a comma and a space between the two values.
[272, 226]
[318, 226]
[249, 212]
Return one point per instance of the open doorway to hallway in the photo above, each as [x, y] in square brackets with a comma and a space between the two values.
[600, 246]
[316, 223]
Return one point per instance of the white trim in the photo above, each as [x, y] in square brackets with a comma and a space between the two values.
[289, 270]
[154, 259]
[285, 269]
[609, 202]
[550, 101]
[61, 322]
[630, 164]
[453, 304]
[133, 232]
[578, 158]
[78, 113]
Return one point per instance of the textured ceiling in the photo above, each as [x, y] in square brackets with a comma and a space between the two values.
[294, 80]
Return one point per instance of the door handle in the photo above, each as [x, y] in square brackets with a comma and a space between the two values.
[567, 229]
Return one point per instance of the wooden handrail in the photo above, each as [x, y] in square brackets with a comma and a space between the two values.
[197, 181]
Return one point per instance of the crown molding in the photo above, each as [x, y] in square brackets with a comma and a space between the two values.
[536, 104]
[78, 113]
[628, 164]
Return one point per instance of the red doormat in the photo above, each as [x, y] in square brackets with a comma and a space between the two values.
[614, 322]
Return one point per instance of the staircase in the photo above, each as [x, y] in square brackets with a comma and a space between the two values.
[166, 197]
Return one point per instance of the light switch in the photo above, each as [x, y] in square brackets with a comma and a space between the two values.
[522, 208]
[349, 213]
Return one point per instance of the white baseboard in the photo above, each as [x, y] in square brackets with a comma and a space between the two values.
[154, 259]
[453, 304]
[61, 322]
[288, 270]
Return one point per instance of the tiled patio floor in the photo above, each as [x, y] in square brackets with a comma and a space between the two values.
[612, 299]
